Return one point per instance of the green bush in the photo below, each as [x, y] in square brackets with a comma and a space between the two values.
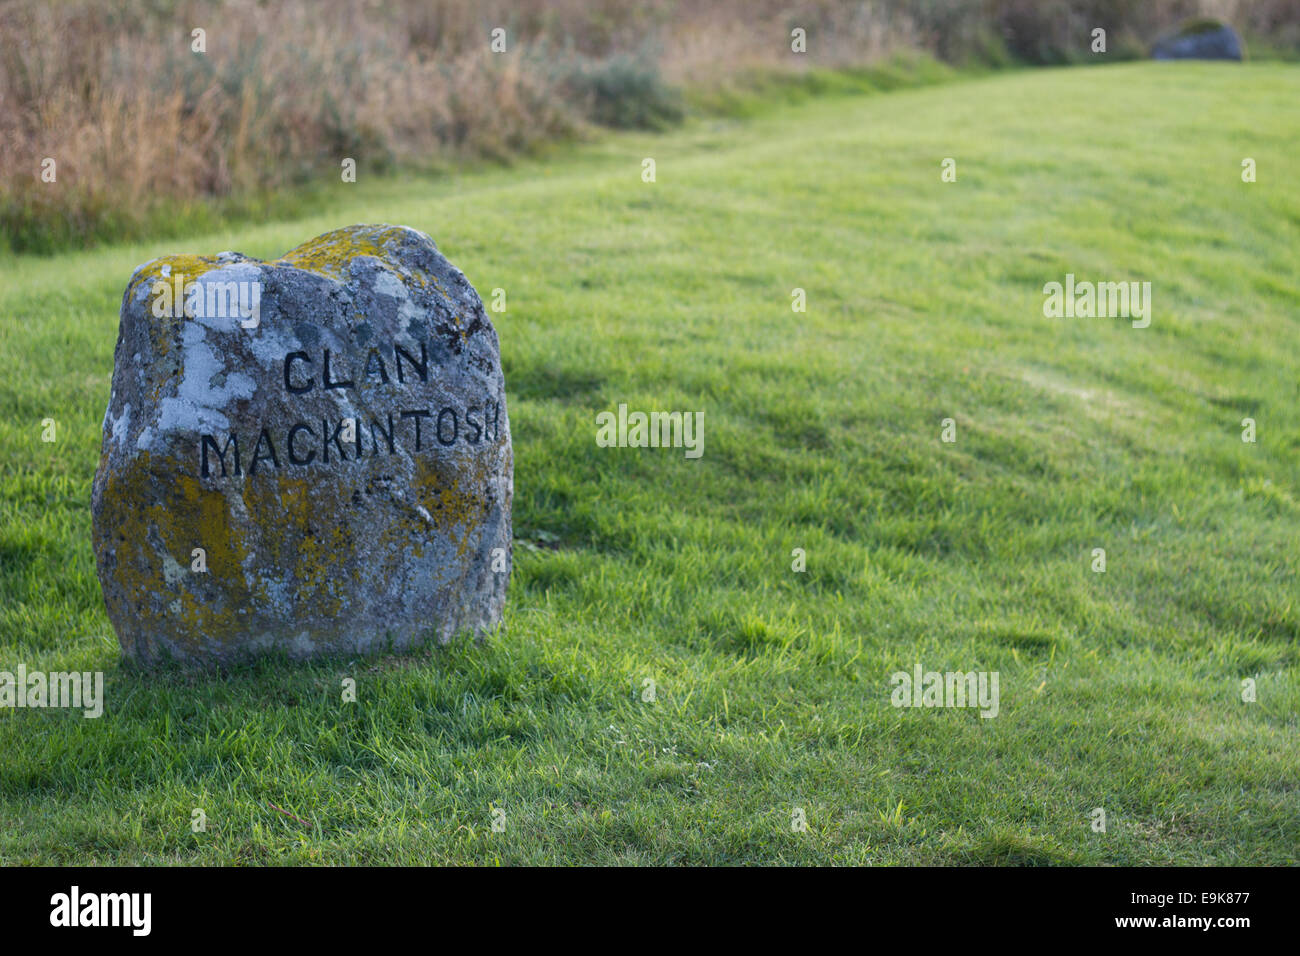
[1199, 25]
[627, 92]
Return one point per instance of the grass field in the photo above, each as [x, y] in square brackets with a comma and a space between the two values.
[1119, 690]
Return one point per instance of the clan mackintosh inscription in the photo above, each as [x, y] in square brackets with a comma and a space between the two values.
[332, 474]
[302, 444]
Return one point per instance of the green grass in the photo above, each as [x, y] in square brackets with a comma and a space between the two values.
[822, 431]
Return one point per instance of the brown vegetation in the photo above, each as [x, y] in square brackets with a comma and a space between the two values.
[114, 93]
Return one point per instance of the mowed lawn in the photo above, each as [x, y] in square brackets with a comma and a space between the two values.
[1119, 690]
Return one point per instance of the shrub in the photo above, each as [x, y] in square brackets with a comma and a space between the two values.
[626, 92]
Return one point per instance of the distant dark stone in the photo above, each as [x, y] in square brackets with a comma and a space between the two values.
[1200, 40]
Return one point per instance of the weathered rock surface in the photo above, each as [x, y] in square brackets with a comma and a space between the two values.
[329, 429]
[1199, 40]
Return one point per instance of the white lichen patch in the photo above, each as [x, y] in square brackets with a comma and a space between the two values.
[118, 427]
[387, 283]
[226, 297]
[171, 569]
[197, 406]
[271, 342]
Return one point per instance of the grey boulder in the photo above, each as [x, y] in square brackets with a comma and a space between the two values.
[304, 456]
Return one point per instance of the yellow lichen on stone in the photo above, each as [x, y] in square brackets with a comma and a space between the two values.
[137, 522]
[329, 255]
[189, 266]
[457, 510]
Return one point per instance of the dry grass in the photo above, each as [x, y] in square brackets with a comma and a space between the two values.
[135, 119]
